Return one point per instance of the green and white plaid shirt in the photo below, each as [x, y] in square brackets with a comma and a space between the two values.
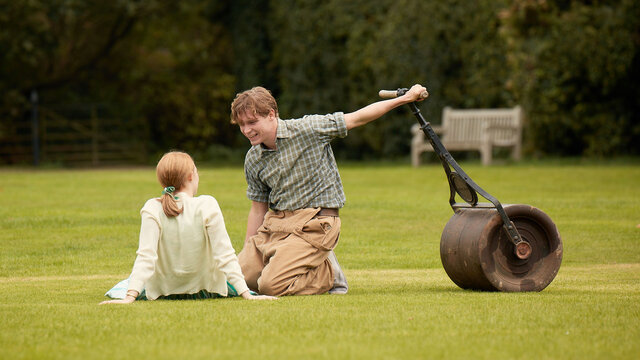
[302, 171]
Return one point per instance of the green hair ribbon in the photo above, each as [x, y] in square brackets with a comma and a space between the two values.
[169, 190]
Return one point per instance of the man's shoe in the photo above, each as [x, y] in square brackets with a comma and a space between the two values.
[340, 285]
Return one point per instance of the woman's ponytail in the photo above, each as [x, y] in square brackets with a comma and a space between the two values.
[168, 201]
[173, 171]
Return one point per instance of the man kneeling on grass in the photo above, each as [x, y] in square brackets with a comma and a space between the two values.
[290, 169]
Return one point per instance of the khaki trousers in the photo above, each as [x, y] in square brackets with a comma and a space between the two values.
[288, 255]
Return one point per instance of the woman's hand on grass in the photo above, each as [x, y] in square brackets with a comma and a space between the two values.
[127, 300]
[248, 296]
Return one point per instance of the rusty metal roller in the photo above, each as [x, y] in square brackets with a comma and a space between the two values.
[477, 254]
[487, 246]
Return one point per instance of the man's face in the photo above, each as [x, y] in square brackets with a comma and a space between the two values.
[259, 129]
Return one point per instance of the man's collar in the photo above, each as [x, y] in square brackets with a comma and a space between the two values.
[282, 132]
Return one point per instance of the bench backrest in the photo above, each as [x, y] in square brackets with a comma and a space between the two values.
[467, 127]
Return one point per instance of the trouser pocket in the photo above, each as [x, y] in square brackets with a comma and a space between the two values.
[321, 232]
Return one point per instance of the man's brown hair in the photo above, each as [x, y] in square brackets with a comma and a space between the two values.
[256, 101]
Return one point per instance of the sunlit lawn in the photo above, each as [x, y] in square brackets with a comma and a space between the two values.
[68, 235]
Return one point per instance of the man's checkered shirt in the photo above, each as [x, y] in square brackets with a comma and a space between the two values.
[302, 171]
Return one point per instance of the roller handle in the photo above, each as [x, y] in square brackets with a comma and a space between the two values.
[390, 94]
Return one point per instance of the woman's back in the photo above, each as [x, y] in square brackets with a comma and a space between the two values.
[187, 252]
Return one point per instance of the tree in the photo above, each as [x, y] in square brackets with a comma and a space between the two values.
[336, 55]
[574, 66]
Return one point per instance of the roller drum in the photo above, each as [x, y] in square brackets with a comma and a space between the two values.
[477, 253]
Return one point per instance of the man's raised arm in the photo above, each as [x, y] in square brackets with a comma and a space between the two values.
[377, 109]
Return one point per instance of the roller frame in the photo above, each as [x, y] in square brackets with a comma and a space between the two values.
[449, 162]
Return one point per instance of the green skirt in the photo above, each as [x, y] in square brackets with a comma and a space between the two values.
[200, 295]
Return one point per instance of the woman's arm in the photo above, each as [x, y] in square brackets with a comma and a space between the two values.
[145, 263]
[223, 253]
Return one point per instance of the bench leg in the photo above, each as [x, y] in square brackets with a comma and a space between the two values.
[415, 156]
[486, 154]
[516, 153]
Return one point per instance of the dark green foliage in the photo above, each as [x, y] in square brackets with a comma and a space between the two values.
[172, 68]
[574, 65]
[164, 65]
[336, 55]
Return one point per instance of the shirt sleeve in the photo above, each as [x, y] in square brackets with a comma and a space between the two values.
[256, 189]
[145, 263]
[330, 126]
[224, 256]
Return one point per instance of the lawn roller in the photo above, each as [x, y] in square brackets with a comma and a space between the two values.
[487, 246]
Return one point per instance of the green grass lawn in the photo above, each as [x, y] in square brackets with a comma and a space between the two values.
[67, 236]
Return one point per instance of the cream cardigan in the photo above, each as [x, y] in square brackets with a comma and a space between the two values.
[186, 253]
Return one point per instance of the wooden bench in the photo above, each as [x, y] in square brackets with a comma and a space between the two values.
[473, 129]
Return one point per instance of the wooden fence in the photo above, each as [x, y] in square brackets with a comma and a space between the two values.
[88, 140]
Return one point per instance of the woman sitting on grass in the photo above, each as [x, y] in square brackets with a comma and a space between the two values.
[185, 251]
